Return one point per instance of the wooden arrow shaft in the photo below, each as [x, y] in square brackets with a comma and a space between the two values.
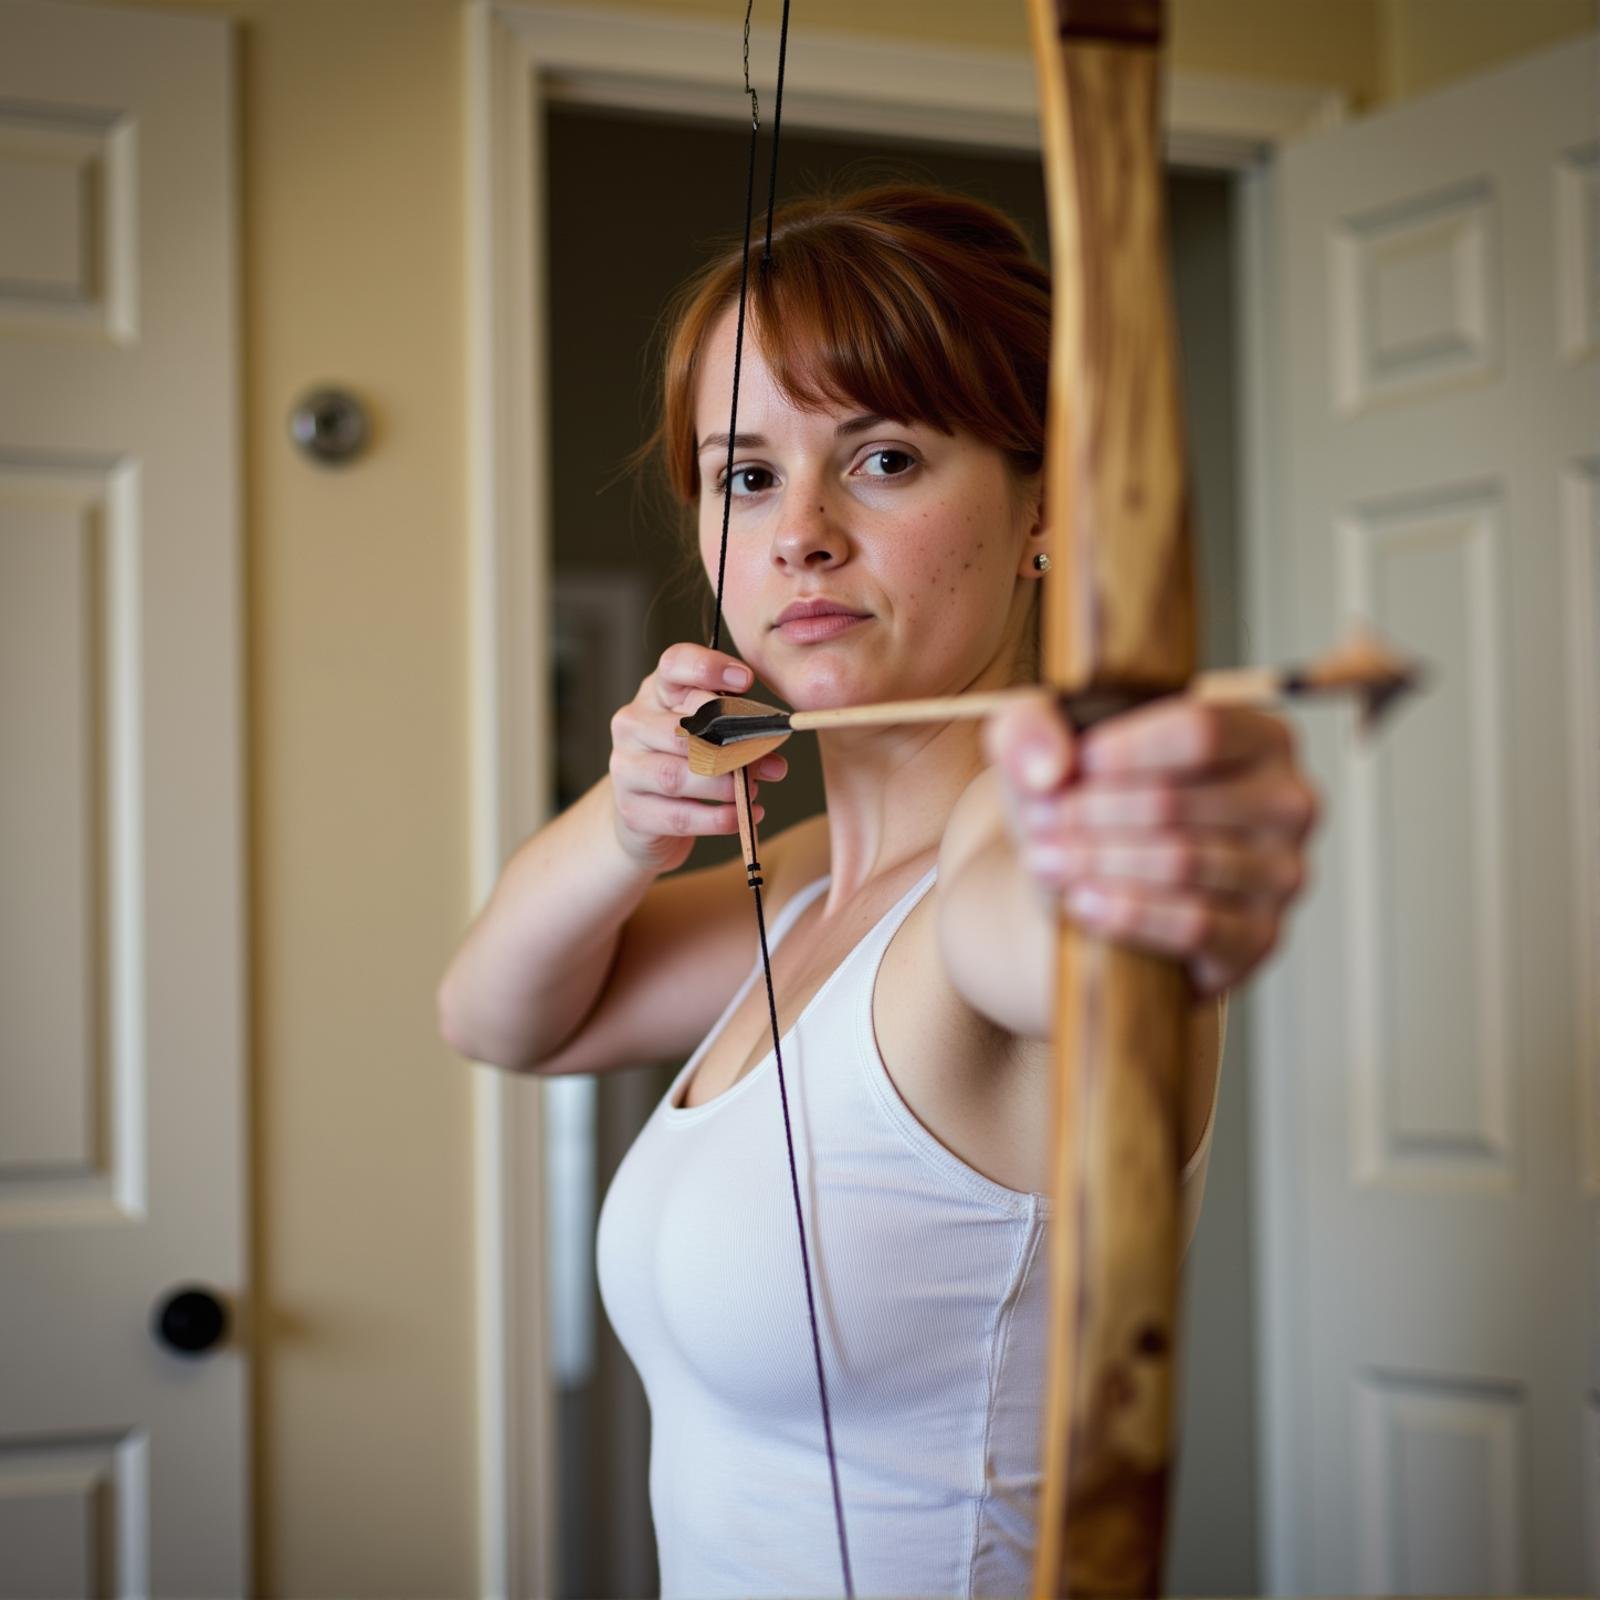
[1263, 687]
[941, 708]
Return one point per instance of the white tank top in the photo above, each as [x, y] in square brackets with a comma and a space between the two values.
[931, 1302]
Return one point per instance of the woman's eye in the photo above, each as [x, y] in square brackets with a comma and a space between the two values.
[749, 481]
[888, 463]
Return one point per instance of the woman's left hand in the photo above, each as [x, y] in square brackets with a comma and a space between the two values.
[1180, 827]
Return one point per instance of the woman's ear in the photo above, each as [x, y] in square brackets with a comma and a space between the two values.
[1035, 559]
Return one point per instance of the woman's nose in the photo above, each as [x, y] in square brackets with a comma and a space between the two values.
[808, 535]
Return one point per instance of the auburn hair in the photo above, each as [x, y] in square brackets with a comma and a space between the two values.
[914, 302]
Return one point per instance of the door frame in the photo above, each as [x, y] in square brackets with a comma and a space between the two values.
[520, 58]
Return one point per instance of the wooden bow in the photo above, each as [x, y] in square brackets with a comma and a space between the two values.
[1119, 615]
[1119, 626]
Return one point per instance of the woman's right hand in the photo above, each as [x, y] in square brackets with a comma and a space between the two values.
[659, 807]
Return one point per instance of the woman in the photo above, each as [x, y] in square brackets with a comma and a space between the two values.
[885, 536]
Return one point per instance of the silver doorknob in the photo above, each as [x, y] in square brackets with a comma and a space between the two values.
[330, 426]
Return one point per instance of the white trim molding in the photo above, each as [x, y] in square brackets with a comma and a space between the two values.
[1270, 1001]
[511, 740]
[520, 59]
[878, 88]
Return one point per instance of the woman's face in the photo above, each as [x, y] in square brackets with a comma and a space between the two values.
[867, 559]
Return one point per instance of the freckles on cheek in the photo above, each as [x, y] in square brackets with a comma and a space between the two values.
[948, 575]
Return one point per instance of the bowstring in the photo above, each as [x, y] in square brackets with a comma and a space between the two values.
[744, 295]
[753, 865]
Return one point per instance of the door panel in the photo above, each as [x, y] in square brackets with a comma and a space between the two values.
[1437, 1152]
[122, 1000]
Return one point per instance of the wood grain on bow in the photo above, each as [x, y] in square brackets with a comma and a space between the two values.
[1119, 613]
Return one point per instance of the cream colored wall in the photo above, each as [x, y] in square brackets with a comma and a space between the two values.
[353, 271]
[353, 202]
[1372, 50]
[354, 256]
[1430, 42]
[1310, 41]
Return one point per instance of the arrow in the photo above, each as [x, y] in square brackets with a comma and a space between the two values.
[729, 732]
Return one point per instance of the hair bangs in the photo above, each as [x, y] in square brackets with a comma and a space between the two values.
[834, 335]
[917, 304]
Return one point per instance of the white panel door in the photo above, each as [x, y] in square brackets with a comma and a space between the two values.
[122, 1003]
[1434, 1148]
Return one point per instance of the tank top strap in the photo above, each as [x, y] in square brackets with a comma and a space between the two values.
[871, 949]
[867, 953]
[780, 925]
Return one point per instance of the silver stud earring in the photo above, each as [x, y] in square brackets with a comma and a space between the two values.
[1041, 562]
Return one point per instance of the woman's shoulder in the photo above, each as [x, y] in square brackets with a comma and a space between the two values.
[979, 812]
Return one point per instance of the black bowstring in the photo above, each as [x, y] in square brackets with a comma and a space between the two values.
[777, 121]
[753, 866]
[753, 876]
[744, 292]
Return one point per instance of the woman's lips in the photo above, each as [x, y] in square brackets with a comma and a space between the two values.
[801, 624]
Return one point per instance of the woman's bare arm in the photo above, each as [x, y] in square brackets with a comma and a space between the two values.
[997, 934]
[1177, 827]
[997, 938]
[581, 959]
[679, 958]
[538, 954]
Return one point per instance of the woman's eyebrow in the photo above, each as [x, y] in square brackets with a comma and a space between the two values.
[861, 424]
[756, 441]
[741, 441]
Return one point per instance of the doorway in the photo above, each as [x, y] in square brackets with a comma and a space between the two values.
[635, 204]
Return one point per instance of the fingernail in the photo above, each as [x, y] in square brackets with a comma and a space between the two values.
[1039, 766]
[736, 677]
[1044, 861]
[1085, 902]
